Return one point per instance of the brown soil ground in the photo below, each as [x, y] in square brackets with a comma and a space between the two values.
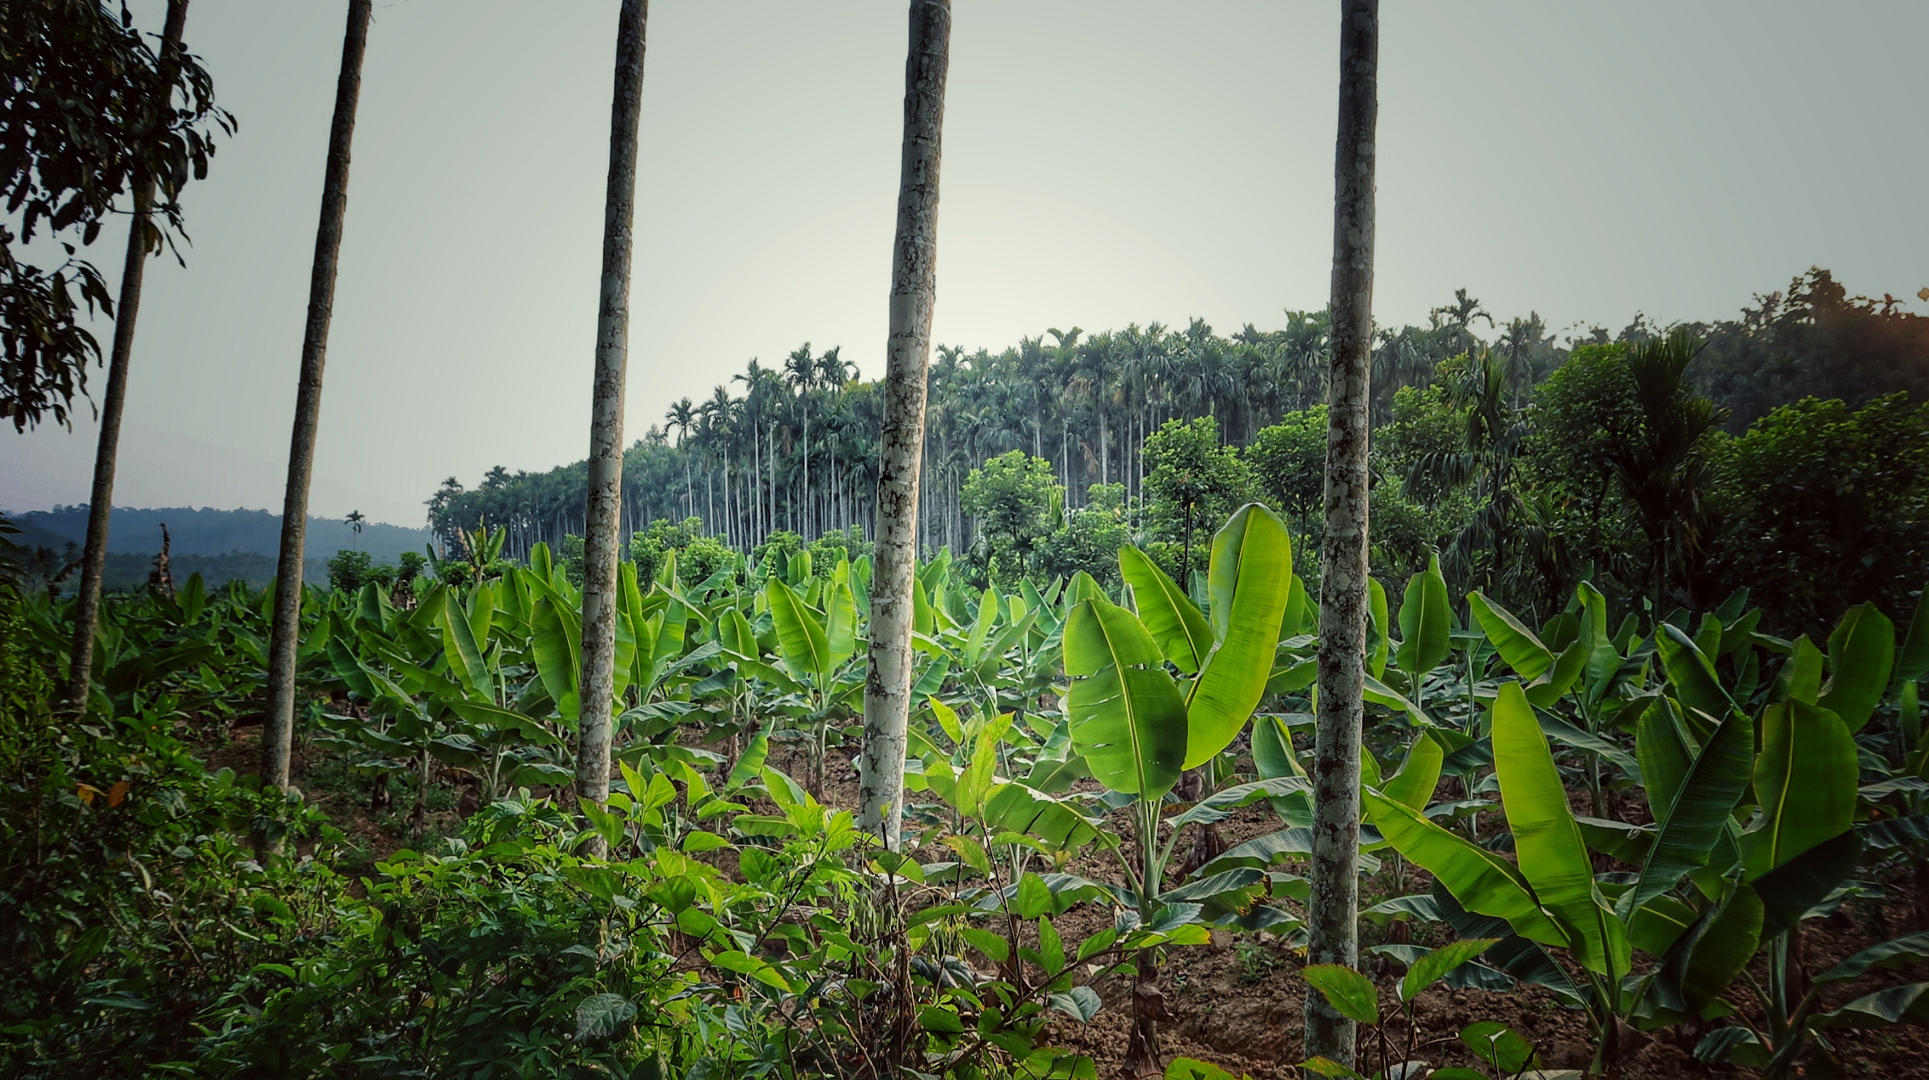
[1238, 1001]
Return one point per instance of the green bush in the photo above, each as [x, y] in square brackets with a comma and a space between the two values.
[128, 904]
[698, 556]
[1090, 538]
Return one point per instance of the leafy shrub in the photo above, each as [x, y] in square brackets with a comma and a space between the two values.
[349, 570]
[1827, 503]
[698, 556]
[128, 905]
[826, 550]
[1090, 538]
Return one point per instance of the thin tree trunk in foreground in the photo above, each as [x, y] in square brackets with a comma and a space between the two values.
[1332, 933]
[914, 292]
[278, 733]
[93, 560]
[600, 540]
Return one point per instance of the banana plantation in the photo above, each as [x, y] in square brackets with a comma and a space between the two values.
[1328, 701]
[1693, 836]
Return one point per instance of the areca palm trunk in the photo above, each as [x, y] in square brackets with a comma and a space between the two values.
[93, 561]
[284, 634]
[600, 541]
[1332, 934]
[914, 288]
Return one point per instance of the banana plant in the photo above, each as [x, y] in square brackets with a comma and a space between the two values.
[1898, 794]
[1748, 886]
[1795, 1026]
[815, 673]
[1139, 726]
[1354, 996]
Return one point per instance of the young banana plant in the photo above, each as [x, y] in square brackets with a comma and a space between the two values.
[1747, 886]
[1140, 726]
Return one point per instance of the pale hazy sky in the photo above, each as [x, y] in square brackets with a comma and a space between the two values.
[1104, 163]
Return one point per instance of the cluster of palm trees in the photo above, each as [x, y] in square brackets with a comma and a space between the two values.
[794, 446]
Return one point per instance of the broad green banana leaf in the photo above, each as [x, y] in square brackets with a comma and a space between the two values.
[1805, 780]
[464, 656]
[1666, 750]
[1553, 856]
[1800, 677]
[1554, 684]
[1480, 880]
[1516, 644]
[1691, 675]
[1861, 655]
[1700, 812]
[1081, 588]
[1016, 808]
[1378, 645]
[556, 638]
[1273, 757]
[801, 641]
[734, 631]
[1721, 946]
[1419, 774]
[840, 622]
[482, 611]
[1426, 621]
[1603, 659]
[1912, 663]
[1169, 615]
[492, 716]
[924, 618]
[981, 625]
[1251, 576]
[1127, 718]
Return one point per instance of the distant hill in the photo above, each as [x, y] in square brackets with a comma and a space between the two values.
[212, 532]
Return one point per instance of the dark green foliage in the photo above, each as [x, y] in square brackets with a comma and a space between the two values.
[1090, 538]
[771, 556]
[698, 555]
[455, 965]
[1193, 483]
[1012, 500]
[1528, 463]
[87, 111]
[1813, 340]
[846, 543]
[350, 570]
[128, 907]
[1660, 465]
[1821, 508]
[1288, 463]
[704, 557]
[1582, 411]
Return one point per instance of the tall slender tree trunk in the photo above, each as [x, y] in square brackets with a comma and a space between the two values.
[914, 291]
[140, 241]
[284, 637]
[1104, 450]
[1332, 907]
[606, 420]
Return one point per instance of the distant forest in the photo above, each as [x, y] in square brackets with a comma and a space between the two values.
[220, 545]
[792, 446]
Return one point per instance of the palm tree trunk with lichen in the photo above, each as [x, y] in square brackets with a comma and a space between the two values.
[140, 241]
[1332, 907]
[887, 687]
[284, 634]
[601, 515]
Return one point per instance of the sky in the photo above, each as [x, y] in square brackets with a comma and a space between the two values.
[1104, 163]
